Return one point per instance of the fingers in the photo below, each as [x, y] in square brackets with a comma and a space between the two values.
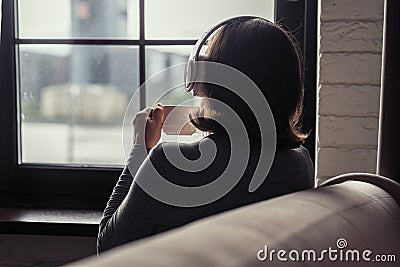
[146, 111]
[157, 114]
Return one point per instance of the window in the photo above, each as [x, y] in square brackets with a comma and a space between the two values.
[69, 69]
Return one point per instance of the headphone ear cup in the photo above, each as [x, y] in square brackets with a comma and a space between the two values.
[190, 69]
[190, 75]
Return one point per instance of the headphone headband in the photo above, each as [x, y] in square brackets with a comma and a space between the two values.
[190, 70]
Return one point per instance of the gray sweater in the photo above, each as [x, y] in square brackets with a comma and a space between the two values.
[132, 214]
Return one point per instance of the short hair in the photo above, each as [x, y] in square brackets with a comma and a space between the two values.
[269, 55]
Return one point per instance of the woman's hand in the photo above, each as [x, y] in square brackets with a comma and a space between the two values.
[150, 120]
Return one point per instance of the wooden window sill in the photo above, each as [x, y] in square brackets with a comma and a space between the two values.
[62, 222]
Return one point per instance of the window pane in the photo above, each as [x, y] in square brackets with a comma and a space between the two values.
[166, 86]
[73, 100]
[78, 19]
[159, 58]
[188, 19]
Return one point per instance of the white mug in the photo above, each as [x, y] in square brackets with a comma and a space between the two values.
[176, 120]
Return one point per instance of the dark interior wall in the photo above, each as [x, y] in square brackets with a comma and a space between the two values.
[389, 141]
[40, 251]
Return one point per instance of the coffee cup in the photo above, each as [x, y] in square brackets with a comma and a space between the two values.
[176, 120]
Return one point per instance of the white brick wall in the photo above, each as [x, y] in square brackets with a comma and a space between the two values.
[350, 45]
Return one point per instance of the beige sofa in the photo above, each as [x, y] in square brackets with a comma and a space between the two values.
[354, 214]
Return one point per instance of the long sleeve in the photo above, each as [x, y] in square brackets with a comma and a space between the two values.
[118, 213]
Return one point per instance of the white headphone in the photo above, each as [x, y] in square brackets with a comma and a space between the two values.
[190, 69]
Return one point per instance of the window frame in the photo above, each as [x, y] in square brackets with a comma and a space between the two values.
[41, 185]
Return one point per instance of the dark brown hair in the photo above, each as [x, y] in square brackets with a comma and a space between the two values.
[269, 55]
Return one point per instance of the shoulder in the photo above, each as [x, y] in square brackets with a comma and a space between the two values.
[190, 150]
[163, 148]
[299, 152]
[190, 164]
[295, 162]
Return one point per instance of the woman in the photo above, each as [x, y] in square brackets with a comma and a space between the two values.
[268, 55]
